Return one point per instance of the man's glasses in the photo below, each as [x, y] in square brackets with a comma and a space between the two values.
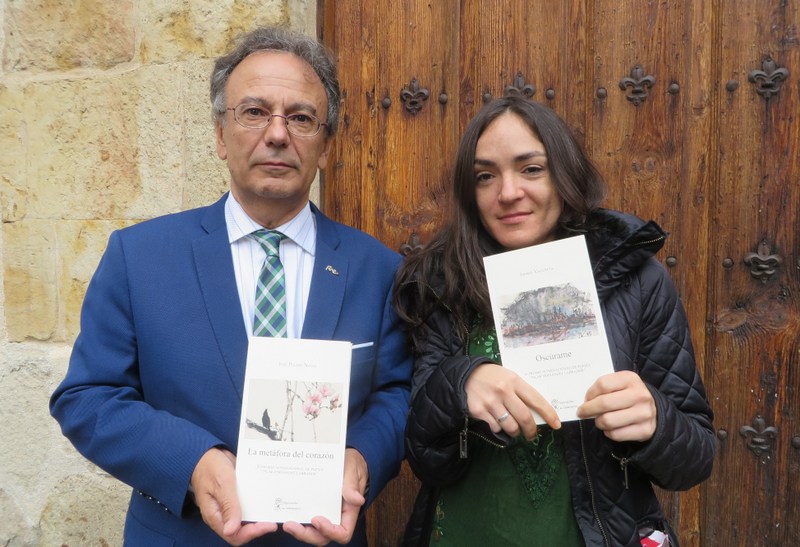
[255, 117]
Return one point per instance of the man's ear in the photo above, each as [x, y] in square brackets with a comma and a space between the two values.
[222, 150]
[323, 157]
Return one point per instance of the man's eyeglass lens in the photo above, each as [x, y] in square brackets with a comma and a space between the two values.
[255, 117]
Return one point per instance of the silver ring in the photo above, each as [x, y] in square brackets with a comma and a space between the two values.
[503, 418]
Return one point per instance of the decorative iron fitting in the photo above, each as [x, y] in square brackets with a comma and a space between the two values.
[414, 97]
[519, 87]
[412, 246]
[639, 84]
[769, 79]
[763, 264]
[759, 438]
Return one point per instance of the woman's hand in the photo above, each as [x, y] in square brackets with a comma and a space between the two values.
[622, 407]
[506, 402]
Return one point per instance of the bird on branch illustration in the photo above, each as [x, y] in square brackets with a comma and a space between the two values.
[265, 426]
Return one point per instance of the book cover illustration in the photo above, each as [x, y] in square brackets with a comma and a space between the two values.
[294, 411]
[548, 320]
[548, 314]
[290, 458]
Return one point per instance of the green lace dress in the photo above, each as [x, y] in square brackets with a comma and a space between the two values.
[518, 495]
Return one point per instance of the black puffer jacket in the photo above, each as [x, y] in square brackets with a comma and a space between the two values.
[610, 482]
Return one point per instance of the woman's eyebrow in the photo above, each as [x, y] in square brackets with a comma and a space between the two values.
[521, 157]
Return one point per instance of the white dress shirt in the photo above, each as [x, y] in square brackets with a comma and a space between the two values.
[297, 251]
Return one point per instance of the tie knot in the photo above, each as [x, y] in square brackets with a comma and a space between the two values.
[269, 240]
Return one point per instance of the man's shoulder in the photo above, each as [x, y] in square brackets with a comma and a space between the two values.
[174, 223]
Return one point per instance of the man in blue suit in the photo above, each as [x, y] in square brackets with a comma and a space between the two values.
[154, 387]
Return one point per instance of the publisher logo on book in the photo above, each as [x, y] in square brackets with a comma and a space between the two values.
[284, 505]
[562, 405]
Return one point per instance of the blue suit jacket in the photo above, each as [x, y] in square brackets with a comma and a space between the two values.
[157, 372]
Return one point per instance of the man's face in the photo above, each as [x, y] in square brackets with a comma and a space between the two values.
[271, 169]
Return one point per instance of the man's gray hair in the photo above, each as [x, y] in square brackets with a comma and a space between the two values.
[308, 49]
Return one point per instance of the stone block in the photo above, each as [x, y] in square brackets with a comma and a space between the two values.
[46, 269]
[207, 176]
[202, 28]
[48, 35]
[29, 279]
[106, 148]
[13, 142]
[15, 530]
[303, 16]
[26, 379]
[85, 510]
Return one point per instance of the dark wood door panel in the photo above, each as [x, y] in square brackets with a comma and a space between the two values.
[399, 76]
[690, 111]
[755, 341]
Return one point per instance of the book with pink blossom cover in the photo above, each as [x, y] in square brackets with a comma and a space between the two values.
[290, 458]
[548, 319]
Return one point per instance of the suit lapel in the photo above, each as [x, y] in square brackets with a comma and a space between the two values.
[327, 282]
[212, 254]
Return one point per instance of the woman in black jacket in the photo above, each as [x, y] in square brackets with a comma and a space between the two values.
[489, 475]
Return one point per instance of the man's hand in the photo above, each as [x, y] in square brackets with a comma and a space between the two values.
[622, 407]
[322, 531]
[214, 485]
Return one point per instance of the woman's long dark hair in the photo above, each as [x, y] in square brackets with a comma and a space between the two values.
[449, 271]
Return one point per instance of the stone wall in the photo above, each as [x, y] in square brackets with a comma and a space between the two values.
[104, 121]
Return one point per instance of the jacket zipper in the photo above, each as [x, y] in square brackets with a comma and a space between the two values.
[591, 488]
[642, 243]
[623, 464]
[462, 439]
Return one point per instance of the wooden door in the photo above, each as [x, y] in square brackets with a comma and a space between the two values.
[753, 345]
[689, 108]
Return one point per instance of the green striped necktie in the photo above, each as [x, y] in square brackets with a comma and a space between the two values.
[270, 309]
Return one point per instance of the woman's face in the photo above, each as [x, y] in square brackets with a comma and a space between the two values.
[516, 198]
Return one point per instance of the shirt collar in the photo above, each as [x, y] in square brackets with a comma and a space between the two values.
[301, 229]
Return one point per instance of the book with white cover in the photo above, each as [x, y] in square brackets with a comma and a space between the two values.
[290, 458]
[549, 324]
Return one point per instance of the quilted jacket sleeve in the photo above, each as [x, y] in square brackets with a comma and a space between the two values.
[681, 452]
[438, 411]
